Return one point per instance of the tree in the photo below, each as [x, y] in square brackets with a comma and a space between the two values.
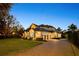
[72, 27]
[2, 23]
[72, 34]
[18, 29]
[4, 12]
[4, 9]
[20, 32]
[8, 23]
[59, 29]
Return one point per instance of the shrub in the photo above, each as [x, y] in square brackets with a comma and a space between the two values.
[39, 39]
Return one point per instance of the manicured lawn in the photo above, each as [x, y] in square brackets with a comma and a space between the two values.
[14, 45]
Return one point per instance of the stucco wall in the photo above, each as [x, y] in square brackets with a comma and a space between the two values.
[38, 34]
[53, 35]
[31, 32]
[24, 35]
[59, 35]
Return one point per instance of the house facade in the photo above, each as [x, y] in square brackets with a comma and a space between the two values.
[43, 32]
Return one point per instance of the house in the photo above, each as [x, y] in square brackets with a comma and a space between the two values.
[43, 32]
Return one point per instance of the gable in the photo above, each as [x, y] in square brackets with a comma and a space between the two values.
[33, 26]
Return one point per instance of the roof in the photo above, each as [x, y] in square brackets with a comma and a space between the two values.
[42, 27]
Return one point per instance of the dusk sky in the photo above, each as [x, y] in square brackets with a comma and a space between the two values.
[57, 15]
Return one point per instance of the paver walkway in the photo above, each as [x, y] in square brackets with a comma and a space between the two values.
[52, 48]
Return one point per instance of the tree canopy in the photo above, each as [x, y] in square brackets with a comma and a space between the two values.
[59, 29]
[8, 23]
[72, 27]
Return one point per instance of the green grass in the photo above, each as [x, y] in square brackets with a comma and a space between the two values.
[14, 45]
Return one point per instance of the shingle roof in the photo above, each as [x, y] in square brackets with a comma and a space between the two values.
[46, 28]
[40, 29]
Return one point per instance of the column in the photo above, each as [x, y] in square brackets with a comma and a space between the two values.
[43, 37]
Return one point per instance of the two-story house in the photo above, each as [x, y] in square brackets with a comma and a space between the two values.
[44, 32]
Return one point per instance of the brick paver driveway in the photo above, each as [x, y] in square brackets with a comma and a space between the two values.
[52, 48]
